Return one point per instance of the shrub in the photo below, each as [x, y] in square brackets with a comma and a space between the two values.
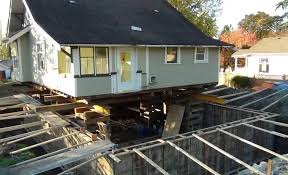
[241, 82]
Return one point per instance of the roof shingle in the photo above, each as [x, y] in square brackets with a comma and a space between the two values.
[110, 21]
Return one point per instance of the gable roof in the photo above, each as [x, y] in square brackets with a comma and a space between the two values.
[271, 45]
[110, 22]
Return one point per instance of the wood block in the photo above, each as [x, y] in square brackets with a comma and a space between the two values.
[80, 111]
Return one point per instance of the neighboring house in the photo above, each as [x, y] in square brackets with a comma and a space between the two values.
[6, 66]
[93, 47]
[268, 59]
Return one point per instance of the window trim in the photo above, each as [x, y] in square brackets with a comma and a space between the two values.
[89, 57]
[95, 61]
[206, 57]
[268, 60]
[178, 55]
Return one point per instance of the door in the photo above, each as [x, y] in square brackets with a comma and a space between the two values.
[126, 69]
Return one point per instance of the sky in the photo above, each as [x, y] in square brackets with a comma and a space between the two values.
[233, 11]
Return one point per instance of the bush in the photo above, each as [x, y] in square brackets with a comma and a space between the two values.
[241, 82]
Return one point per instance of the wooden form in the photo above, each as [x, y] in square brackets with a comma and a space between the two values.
[18, 117]
[50, 154]
[274, 103]
[42, 143]
[161, 170]
[7, 139]
[194, 159]
[196, 134]
[245, 96]
[228, 155]
[215, 90]
[267, 131]
[97, 148]
[23, 126]
[253, 144]
[268, 96]
[233, 95]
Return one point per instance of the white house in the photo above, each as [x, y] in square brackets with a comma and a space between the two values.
[268, 59]
[93, 47]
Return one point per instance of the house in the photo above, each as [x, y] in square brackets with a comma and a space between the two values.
[6, 66]
[90, 47]
[267, 59]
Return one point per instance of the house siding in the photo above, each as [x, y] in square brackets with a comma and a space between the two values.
[185, 73]
[276, 68]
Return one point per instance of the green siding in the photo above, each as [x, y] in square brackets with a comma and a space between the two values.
[93, 86]
[186, 73]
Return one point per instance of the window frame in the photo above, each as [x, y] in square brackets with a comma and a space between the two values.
[41, 55]
[260, 64]
[69, 58]
[178, 55]
[206, 59]
[15, 59]
[95, 61]
[83, 75]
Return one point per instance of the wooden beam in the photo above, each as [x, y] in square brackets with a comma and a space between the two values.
[22, 126]
[161, 170]
[173, 121]
[14, 113]
[275, 123]
[194, 159]
[30, 136]
[58, 107]
[21, 105]
[62, 159]
[252, 102]
[274, 103]
[233, 95]
[18, 116]
[50, 154]
[208, 98]
[228, 155]
[42, 143]
[267, 131]
[7, 139]
[244, 96]
[216, 90]
[254, 145]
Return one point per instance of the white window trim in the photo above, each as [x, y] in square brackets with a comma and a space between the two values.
[178, 56]
[206, 57]
[260, 59]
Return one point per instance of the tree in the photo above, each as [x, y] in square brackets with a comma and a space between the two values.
[261, 23]
[284, 5]
[226, 29]
[241, 39]
[4, 53]
[202, 13]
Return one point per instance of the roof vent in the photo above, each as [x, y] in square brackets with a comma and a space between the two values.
[72, 2]
[156, 11]
[135, 28]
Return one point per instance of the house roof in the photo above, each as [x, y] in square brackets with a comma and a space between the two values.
[241, 52]
[271, 45]
[110, 22]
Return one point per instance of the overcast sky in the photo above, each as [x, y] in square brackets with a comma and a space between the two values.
[233, 10]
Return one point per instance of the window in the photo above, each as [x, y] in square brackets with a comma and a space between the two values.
[14, 54]
[87, 60]
[40, 55]
[264, 65]
[241, 62]
[64, 61]
[172, 55]
[201, 55]
[102, 62]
